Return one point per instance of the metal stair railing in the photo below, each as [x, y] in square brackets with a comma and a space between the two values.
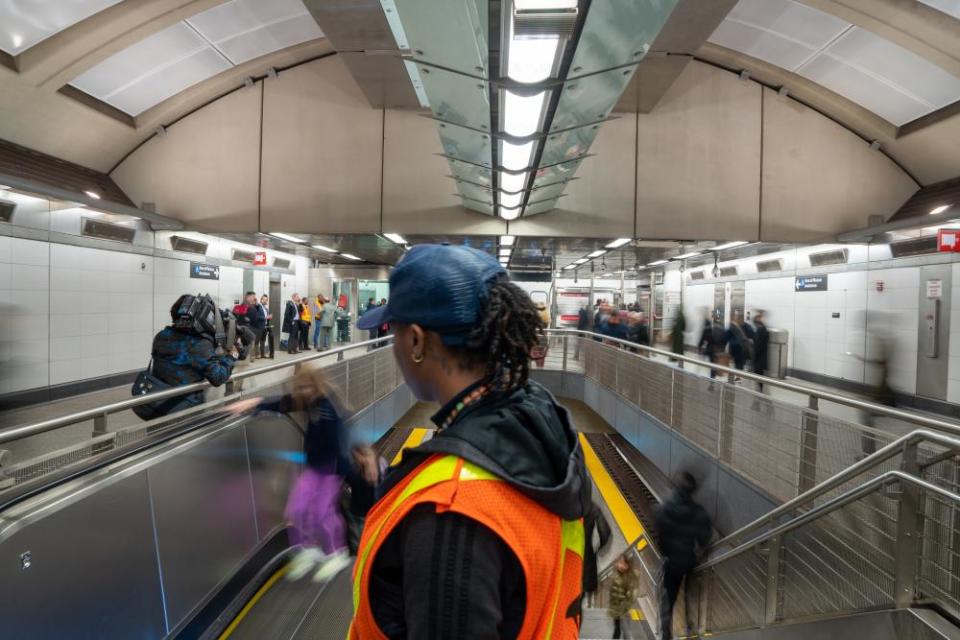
[784, 445]
[359, 380]
[863, 548]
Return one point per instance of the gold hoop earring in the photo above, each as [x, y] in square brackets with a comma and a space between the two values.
[417, 359]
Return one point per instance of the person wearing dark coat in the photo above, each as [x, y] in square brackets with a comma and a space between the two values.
[683, 530]
[594, 521]
[182, 357]
[291, 323]
[583, 319]
[761, 345]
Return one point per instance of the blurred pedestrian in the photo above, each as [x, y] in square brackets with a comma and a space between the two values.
[256, 317]
[683, 529]
[761, 345]
[738, 342]
[623, 593]
[313, 506]
[677, 339]
[318, 304]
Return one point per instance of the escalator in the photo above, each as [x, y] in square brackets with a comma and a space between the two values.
[178, 535]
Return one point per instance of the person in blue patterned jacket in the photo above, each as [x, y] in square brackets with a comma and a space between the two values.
[187, 350]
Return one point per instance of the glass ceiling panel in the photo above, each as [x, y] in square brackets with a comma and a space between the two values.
[617, 32]
[541, 207]
[457, 98]
[590, 99]
[465, 144]
[548, 192]
[477, 206]
[188, 52]
[471, 173]
[556, 173]
[24, 24]
[449, 33]
[569, 144]
[473, 192]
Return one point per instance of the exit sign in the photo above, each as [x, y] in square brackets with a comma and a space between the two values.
[260, 258]
[948, 240]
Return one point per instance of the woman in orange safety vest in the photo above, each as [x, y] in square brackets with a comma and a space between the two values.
[477, 533]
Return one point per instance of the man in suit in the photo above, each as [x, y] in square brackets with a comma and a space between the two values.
[291, 323]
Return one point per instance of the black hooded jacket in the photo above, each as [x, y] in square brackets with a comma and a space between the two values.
[447, 576]
[683, 529]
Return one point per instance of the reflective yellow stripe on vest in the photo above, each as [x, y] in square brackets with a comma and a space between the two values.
[436, 472]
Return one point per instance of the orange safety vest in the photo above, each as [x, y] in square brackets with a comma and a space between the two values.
[549, 549]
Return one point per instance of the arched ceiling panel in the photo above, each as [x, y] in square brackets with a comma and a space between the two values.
[196, 49]
[950, 7]
[24, 24]
[877, 74]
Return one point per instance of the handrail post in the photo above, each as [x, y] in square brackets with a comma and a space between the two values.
[725, 428]
[807, 469]
[909, 532]
[100, 425]
[774, 563]
[564, 338]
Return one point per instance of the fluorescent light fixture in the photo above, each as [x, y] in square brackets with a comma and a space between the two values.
[939, 209]
[511, 200]
[507, 241]
[657, 263]
[580, 261]
[730, 245]
[515, 156]
[93, 194]
[350, 256]
[596, 254]
[543, 5]
[619, 242]
[320, 247]
[505, 251]
[521, 114]
[395, 238]
[287, 237]
[512, 181]
[571, 266]
[504, 260]
[607, 275]
[509, 214]
[531, 59]
[17, 40]
[684, 256]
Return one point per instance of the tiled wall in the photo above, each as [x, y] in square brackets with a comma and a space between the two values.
[70, 313]
[829, 331]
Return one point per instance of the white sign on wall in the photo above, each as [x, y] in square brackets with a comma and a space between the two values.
[934, 289]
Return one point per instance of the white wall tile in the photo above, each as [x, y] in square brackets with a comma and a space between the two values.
[30, 252]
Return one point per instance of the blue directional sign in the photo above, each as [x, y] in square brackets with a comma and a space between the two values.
[811, 283]
[204, 271]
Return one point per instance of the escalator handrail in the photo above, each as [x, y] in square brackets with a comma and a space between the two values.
[16, 433]
[195, 425]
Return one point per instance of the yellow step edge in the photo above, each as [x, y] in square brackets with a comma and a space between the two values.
[282, 571]
[413, 440]
[626, 519]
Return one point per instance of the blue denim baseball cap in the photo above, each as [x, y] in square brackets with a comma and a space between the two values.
[442, 288]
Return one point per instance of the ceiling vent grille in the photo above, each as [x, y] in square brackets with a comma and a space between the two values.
[766, 266]
[281, 263]
[696, 275]
[107, 231]
[727, 272]
[544, 22]
[825, 258]
[244, 256]
[6, 210]
[179, 243]
[914, 247]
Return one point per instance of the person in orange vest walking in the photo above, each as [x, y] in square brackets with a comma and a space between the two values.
[479, 532]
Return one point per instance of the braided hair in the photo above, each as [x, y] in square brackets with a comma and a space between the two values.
[508, 330]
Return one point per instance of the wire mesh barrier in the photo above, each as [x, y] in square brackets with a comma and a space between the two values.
[871, 515]
[358, 382]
